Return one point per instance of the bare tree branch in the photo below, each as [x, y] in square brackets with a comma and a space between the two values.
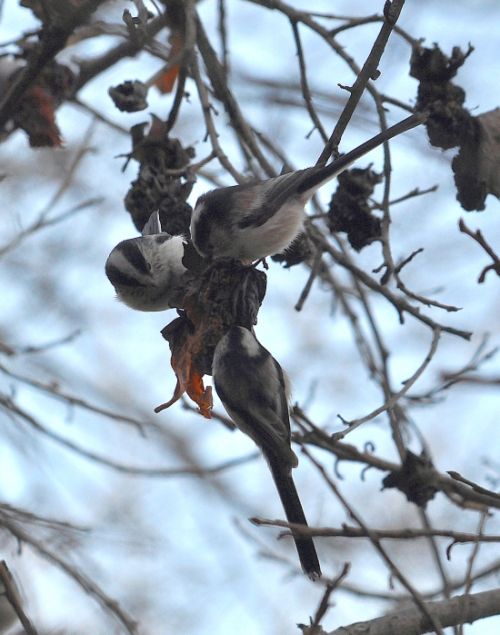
[460, 609]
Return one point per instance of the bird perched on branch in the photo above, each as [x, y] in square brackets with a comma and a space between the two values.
[255, 220]
[252, 387]
[147, 272]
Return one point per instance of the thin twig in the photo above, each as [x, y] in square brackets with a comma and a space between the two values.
[306, 93]
[366, 73]
[315, 268]
[324, 604]
[211, 129]
[55, 391]
[436, 555]
[347, 531]
[458, 493]
[123, 468]
[393, 568]
[91, 68]
[221, 5]
[470, 566]
[99, 116]
[355, 423]
[87, 584]
[490, 570]
[42, 222]
[480, 239]
[399, 303]
[477, 488]
[14, 600]
[218, 79]
[27, 517]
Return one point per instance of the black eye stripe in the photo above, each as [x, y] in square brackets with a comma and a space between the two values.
[134, 255]
[201, 233]
[216, 208]
[118, 278]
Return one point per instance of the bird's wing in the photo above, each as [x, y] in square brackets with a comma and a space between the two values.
[275, 192]
[260, 411]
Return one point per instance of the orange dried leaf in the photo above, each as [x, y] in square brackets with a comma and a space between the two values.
[178, 392]
[167, 77]
[189, 381]
[44, 130]
[181, 365]
[165, 81]
[199, 394]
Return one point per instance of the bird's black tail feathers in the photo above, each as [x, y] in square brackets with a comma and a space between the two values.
[295, 514]
[313, 179]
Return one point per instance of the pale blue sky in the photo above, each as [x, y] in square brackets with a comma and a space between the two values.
[189, 540]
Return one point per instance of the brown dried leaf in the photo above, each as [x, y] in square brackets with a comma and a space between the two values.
[37, 117]
[477, 165]
[226, 293]
[184, 342]
[165, 81]
[489, 151]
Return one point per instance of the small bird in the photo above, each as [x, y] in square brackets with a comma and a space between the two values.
[147, 272]
[254, 220]
[253, 389]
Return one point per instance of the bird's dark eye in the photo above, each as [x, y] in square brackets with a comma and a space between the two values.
[162, 238]
[134, 255]
[120, 279]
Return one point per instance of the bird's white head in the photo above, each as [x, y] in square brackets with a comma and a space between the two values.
[147, 272]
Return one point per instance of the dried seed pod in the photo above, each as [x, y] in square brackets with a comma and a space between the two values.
[449, 122]
[416, 479]
[155, 188]
[299, 251]
[349, 210]
[477, 166]
[130, 96]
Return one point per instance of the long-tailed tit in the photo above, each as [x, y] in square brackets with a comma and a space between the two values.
[259, 219]
[252, 386]
[147, 272]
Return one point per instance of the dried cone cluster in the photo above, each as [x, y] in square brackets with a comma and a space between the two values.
[349, 209]
[301, 250]
[476, 167]
[156, 187]
[416, 478]
[129, 96]
[449, 123]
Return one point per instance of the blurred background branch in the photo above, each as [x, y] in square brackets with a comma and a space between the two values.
[194, 95]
